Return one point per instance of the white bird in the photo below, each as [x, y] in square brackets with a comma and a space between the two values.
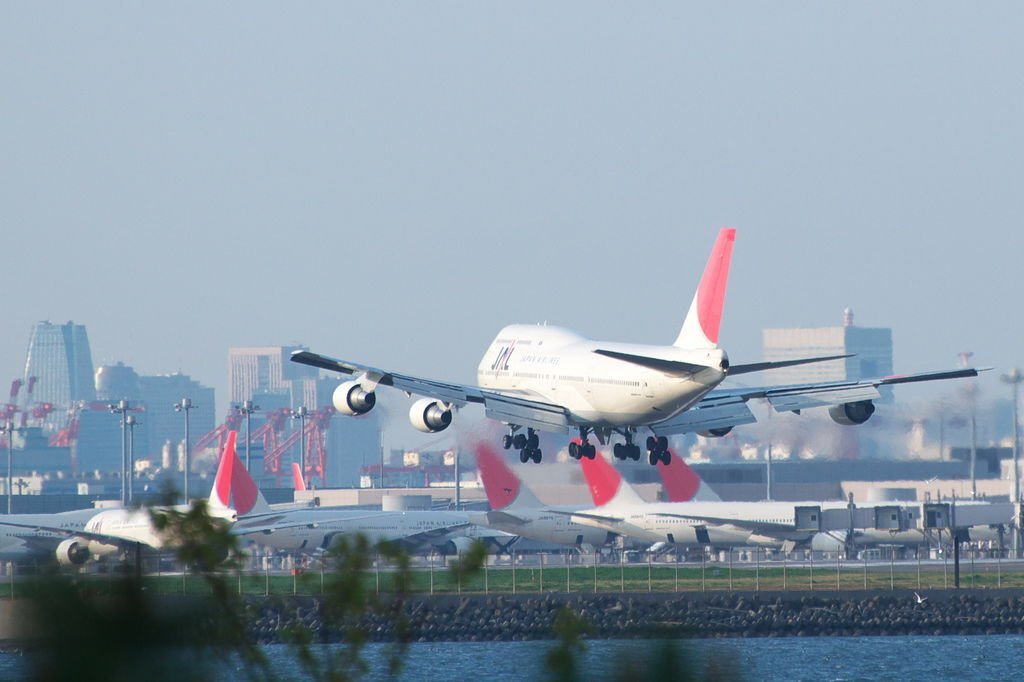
[919, 598]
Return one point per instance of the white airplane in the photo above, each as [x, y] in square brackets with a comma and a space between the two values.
[75, 537]
[545, 378]
[515, 509]
[312, 530]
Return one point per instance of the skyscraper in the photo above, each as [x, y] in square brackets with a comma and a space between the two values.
[870, 347]
[264, 369]
[59, 357]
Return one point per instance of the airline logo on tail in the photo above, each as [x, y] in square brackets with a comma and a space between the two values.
[700, 329]
[233, 488]
[682, 484]
[503, 487]
[606, 485]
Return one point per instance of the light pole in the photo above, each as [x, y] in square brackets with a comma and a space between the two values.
[8, 429]
[247, 408]
[121, 407]
[184, 406]
[131, 423]
[301, 414]
[1014, 378]
[971, 390]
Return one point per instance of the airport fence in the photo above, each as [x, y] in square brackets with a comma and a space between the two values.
[747, 570]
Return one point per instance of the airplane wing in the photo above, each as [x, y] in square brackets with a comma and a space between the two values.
[78, 533]
[725, 408]
[591, 516]
[520, 408]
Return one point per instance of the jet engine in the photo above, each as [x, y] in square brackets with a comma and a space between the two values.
[430, 416]
[715, 433]
[73, 552]
[352, 399]
[850, 414]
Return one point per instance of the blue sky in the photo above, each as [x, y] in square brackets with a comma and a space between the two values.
[393, 183]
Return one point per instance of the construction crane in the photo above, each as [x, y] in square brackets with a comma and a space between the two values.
[220, 433]
[269, 430]
[316, 452]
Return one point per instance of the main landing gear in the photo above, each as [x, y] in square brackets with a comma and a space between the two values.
[527, 444]
[627, 450]
[584, 448]
[657, 450]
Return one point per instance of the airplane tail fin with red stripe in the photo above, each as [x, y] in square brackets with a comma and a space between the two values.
[607, 487]
[504, 489]
[233, 487]
[700, 328]
[682, 484]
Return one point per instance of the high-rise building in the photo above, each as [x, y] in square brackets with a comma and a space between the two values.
[264, 369]
[870, 347]
[60, 359]
[159, 394]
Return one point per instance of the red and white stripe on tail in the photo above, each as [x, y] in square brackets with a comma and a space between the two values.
[297, 479]
[504, 489]
[607, 487]
[682, 484]
[233, 487]
[700, 328]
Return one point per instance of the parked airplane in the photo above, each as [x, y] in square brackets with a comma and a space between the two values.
[545, 378]
[312, 530]
[515, 509]
[76, 536]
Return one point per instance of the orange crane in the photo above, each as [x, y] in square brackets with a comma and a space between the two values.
[220, 433]
[316, 453]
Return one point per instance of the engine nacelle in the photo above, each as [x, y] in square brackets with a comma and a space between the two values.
[352, 399]
[429, 416]
[73, 552]
[850, 414]
[715, 433]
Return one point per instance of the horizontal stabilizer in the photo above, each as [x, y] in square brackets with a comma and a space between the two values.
[778, 364]
[675, 367]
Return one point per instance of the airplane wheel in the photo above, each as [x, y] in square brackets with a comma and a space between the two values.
[536, 455]
[589, 451]
[666, 457]
[653, 458]
[519, 441]
[662, 443]
[635, 453]
[617, 451]
[523, 456]
[574, 450]
[506, 441]
[652, 443]
[533, 441]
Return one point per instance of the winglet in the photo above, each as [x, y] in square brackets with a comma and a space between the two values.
[297, 477]
[504, 489]
[606, 485]
[683, 484]
[700, 328]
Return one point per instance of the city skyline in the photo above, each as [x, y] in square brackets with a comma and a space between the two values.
[266, 181]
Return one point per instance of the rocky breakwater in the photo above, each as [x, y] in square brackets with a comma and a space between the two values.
[523, 617]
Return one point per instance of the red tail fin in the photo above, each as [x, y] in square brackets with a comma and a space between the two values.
[682, 484]
[503, 487]
[233, 487]
[700, 328]
[220, 495]
[297, 477]
[606, 484]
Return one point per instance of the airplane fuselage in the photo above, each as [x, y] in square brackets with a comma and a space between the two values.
[542, 525]
[318, 529]
[560, 367]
